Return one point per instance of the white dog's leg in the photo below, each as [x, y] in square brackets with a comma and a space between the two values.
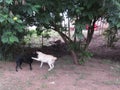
[41, 64]
[50, 67]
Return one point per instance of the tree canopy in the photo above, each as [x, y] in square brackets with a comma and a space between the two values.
[15, 15]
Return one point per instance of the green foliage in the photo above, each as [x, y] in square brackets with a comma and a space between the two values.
[9, 30]
[8, 1]
[113, 17]
[12, 23]
[9, 38]
[84, 56]
[46, 34]
[111, 36]
[50, 14]
[3, 18]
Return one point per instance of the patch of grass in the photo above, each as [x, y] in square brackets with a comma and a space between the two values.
[10, 86]
[11, 69]
[12, 83]
[72, 67]
[29, 83]
[116, 69]
[1, 73]
[113, 82]
[49, 74]
[44, 86]
[80, 76]
[107, 61]
[37, 89]
[67, 60]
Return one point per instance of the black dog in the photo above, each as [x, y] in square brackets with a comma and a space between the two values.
[25, 58]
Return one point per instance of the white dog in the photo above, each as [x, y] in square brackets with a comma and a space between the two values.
[44, 58]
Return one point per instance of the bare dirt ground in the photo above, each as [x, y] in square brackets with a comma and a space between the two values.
[101, 72]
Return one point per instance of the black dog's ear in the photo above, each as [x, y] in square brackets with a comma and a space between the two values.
[34, 54]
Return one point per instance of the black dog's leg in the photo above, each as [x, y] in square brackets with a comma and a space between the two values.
[17, 67]
[30, 66]
[30, 63]
[20, 65]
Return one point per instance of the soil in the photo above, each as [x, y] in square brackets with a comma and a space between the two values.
[101, 72]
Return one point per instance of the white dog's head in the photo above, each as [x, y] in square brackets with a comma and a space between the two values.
[38, 52]
[55, 58]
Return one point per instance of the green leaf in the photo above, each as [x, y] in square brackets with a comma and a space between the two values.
[30, 12]
[9, 37]
[90, 16]
[11, 20]
[8, 1]
[35, 8]
[4, 39]
[13, 39]
[80, 36]
[118, 25]
[19, 28]
[1, 1]
[19, 21]
[78, 10]
[2, 19]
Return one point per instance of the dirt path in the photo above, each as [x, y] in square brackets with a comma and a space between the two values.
[96, 74]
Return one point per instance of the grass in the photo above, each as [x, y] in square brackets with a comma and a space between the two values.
[29, 83]
[107, 61]
[67, 60]
[114, 66]
[1, 73]
[76, 73]
[49, 74]
[44, 86]
[11, 86]
[115, 69]
[112, 82]
[80, 76]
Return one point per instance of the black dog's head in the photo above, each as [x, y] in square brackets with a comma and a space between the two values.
[34, 54]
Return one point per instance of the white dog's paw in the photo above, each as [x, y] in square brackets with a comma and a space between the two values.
[49, 69]
[40, 66]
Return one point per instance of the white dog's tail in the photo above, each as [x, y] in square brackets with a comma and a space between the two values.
[35, 59]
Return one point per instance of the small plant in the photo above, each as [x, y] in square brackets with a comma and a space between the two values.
[48, 74]
[83, 56]
[116, 69]
[113, 82]
[44, 86]
[111, 36]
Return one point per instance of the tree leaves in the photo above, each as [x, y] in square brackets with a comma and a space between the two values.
[39, 12]
[9, 37]
[8, 1]
[3, 17]
[1, 1]
[118, 25]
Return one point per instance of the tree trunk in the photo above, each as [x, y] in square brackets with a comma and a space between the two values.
[68, 41]
[74, 57]
[90, 34]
